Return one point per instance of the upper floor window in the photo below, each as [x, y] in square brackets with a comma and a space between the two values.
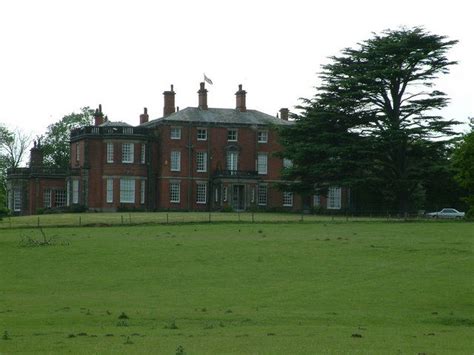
[232, 160]
[232, 135]
[78, 152]
[262, 163]
[175, 133]
[127, 130]
[110, 152]
[334, 198]
[175, 160]
[201, 134]
[201, 162]
[262, 136]
[127, 152]
[142, 153]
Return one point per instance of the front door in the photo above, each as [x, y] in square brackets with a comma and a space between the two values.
[238, 197]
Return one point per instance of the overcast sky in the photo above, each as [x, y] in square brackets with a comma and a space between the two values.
[58, 56]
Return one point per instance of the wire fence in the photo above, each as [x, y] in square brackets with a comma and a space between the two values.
[138, 218]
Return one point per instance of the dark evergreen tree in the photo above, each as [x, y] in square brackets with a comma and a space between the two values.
[383, 92]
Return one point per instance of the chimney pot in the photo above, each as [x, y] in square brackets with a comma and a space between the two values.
[98, 116]
[202, 96]
[284, 113]
[240, 97]
[169, 108]
[144, 116]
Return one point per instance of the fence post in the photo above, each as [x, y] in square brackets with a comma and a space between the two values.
[209, 216]
[167, 220]
[80, 221]
[129, 218]
[38, 221]
[238, 213]
[253, 219]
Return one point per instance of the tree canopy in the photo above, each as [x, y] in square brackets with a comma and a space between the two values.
[380, 101]
[464, 164]
[55, 143]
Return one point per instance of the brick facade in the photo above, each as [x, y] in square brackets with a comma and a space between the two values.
[197, 159]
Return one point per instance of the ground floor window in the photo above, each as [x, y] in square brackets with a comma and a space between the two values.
[75, 191]
[142, 192]
[262, 195]
[316, 200]
[201, 193]
[287, 199]
[127, 190]
[334, 198]
[175, 191]
[60, 198]
[17, 199]
[110, 191]
[47, 198]
[224, 194]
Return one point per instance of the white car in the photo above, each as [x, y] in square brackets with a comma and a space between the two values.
[447, 213]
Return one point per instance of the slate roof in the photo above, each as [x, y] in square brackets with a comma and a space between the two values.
[223, 116]
[115, 124]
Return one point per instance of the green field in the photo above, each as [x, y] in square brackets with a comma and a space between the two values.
[287, 288]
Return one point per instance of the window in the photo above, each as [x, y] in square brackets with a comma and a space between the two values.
[110, 191]
[262, 195]
[287, 199]
[252, 199]
[175, 188]
[175, 133]
[47, 198]
[17, 199]
[60, 198]
[127, 153]
[201, 193]
[216, 195]
[232, 135]
[143, 153]
[127, 190]
[75, 191]
[334, 198]
[232, 158]
[224, 194]
[142, 192]
[201, 162]
[202, 134]
[110, 152]
[78, 152]
[262, 136]
[262, 159]
[68, 193]
[127, 130]
[175, 160]
[316, 200]
[287, 163]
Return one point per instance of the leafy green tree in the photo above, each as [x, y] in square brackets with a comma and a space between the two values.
[55, 143]
[383, 92]
[464, 163]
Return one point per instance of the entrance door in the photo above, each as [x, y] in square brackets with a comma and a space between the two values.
[238, 197]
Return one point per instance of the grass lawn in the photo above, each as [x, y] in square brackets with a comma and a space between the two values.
[353, 287]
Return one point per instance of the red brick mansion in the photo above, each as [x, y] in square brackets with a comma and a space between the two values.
[195, 159]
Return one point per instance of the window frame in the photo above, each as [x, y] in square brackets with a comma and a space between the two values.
[262, 195]
[232, 131]
[128, 154]
[175, 193]
[175, 132]
[201, 162]
[287, 199]
[127, 193]
[175, 160]
[201, 137]
[262, 163]
[109, 190]
[110, 152]
[262, 136]
[334, 200]
[201, 193]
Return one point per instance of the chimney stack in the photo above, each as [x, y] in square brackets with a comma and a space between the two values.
[168, 109]
[284, 114]
[240, 99]
[202, 97]
[98, 116]
[144, 116]
[36, 155]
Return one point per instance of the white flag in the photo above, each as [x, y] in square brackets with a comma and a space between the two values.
[207, 80]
